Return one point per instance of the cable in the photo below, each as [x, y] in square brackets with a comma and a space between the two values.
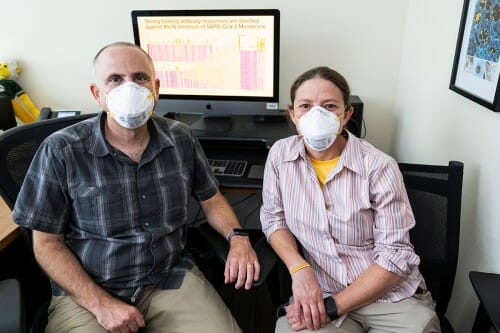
[199, 218]
[251, 213]
[241, 200]
[363, 127]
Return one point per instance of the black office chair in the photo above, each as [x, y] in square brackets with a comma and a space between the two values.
[17, 148]
[435, 194]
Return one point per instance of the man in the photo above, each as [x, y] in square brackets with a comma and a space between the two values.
[107, 202]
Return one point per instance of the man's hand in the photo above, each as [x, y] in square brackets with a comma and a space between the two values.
[242, 264]
[308, 308]
[297, 324]
[117, 316]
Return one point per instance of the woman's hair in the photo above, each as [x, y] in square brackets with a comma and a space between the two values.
[325, 73]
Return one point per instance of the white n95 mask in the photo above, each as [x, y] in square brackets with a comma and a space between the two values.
[130, 104]
[319, 127]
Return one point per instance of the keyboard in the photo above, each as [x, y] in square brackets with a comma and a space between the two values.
[227, 167]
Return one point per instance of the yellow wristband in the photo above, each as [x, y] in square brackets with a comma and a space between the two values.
[298, 268]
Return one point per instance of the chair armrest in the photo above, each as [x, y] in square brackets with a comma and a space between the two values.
[267, 259]
[265, 254]
[11, 307]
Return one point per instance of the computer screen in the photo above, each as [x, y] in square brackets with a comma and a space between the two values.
[213, 62]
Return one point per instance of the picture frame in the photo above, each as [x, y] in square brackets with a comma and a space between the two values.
[476, 64]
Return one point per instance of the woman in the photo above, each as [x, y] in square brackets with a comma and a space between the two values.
[345, 203]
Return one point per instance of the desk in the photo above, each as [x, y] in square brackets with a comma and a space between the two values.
[243, 128]
[245, 138]
[8, 230]
[487, 288]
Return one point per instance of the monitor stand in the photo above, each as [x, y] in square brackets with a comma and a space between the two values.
[212, 124]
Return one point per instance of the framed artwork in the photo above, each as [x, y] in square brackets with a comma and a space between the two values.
[476, 64]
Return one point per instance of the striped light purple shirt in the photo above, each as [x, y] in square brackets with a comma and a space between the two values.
[361, 216]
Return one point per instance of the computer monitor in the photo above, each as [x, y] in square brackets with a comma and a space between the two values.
[217, 63]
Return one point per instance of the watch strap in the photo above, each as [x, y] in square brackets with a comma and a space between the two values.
[236, 232]
[331, 308]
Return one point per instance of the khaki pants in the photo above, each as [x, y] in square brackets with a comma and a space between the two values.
[194, 307]
[412, 315]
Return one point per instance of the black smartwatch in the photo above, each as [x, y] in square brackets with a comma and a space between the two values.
[331, 308]
[236, 232]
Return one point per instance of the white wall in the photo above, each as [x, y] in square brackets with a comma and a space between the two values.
[436, 125]
[396, 54]
[55, 41]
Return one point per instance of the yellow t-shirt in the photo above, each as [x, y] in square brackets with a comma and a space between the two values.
[323, 168]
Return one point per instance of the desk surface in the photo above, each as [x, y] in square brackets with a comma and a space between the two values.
[486, 286]
[268, 130]
[8, 230]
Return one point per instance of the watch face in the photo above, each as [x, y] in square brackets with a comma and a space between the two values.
[237, 232]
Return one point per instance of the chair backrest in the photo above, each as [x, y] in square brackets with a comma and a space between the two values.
[18, 146]
[435, 194]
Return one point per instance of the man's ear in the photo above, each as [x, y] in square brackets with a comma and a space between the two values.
[94, 91]
[96, 94]
[157, 86]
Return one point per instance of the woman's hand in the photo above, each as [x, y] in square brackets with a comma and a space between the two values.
[308, 308]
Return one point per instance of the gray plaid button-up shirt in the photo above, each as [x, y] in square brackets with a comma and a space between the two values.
[125, 221]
